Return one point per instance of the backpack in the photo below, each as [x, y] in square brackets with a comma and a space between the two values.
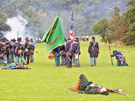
[121, 58]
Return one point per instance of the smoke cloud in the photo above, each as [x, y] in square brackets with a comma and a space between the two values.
[18, 27]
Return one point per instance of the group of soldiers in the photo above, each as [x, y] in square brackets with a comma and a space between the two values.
[69, 51]
[16, 49]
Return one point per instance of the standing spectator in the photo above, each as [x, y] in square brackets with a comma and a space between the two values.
[69, 53]
[93, 51]
[27, 50]
[36, 40]
[57, 55]
[39, 40]
[87, 38]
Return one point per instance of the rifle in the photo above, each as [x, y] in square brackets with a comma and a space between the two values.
[111, 90]
[110, 55]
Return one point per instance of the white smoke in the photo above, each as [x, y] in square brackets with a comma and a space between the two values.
[18, 27]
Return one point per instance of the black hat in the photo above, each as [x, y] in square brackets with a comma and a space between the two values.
[93, 37]
[13, 39]
[26, 38]
[19, 39]
[4, 39]
[31, 40]
[76, 40]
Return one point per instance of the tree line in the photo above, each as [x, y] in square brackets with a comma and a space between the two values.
[41, 13]
[119, 27]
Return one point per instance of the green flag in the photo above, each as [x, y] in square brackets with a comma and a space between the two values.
[54, 36]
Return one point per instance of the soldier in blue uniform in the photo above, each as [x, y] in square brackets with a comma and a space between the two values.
[121, 61]
[93, 51]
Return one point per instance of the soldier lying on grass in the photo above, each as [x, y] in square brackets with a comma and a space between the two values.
[90, 88]
[14, 66]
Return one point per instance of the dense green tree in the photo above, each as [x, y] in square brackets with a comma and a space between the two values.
[1, 36]
[30, 12]
[115, 13]
[129, 17]
[9, 7]
[117, 26]
[3, 26]
[101, 28]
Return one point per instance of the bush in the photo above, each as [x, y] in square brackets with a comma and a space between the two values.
[129, 39]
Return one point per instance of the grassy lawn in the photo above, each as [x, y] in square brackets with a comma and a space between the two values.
[45, 82]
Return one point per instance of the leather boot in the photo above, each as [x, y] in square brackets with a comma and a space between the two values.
[76, 88]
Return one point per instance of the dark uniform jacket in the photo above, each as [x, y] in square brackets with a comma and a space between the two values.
[57, 49]
[69, 47]
[117, 54]
[62, 48]
[12, 47]
[17, 47]
[27, 47]
[76, 48]
[7, 45]
[93, 49]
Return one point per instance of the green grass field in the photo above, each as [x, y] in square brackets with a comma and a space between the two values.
[45, 82]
